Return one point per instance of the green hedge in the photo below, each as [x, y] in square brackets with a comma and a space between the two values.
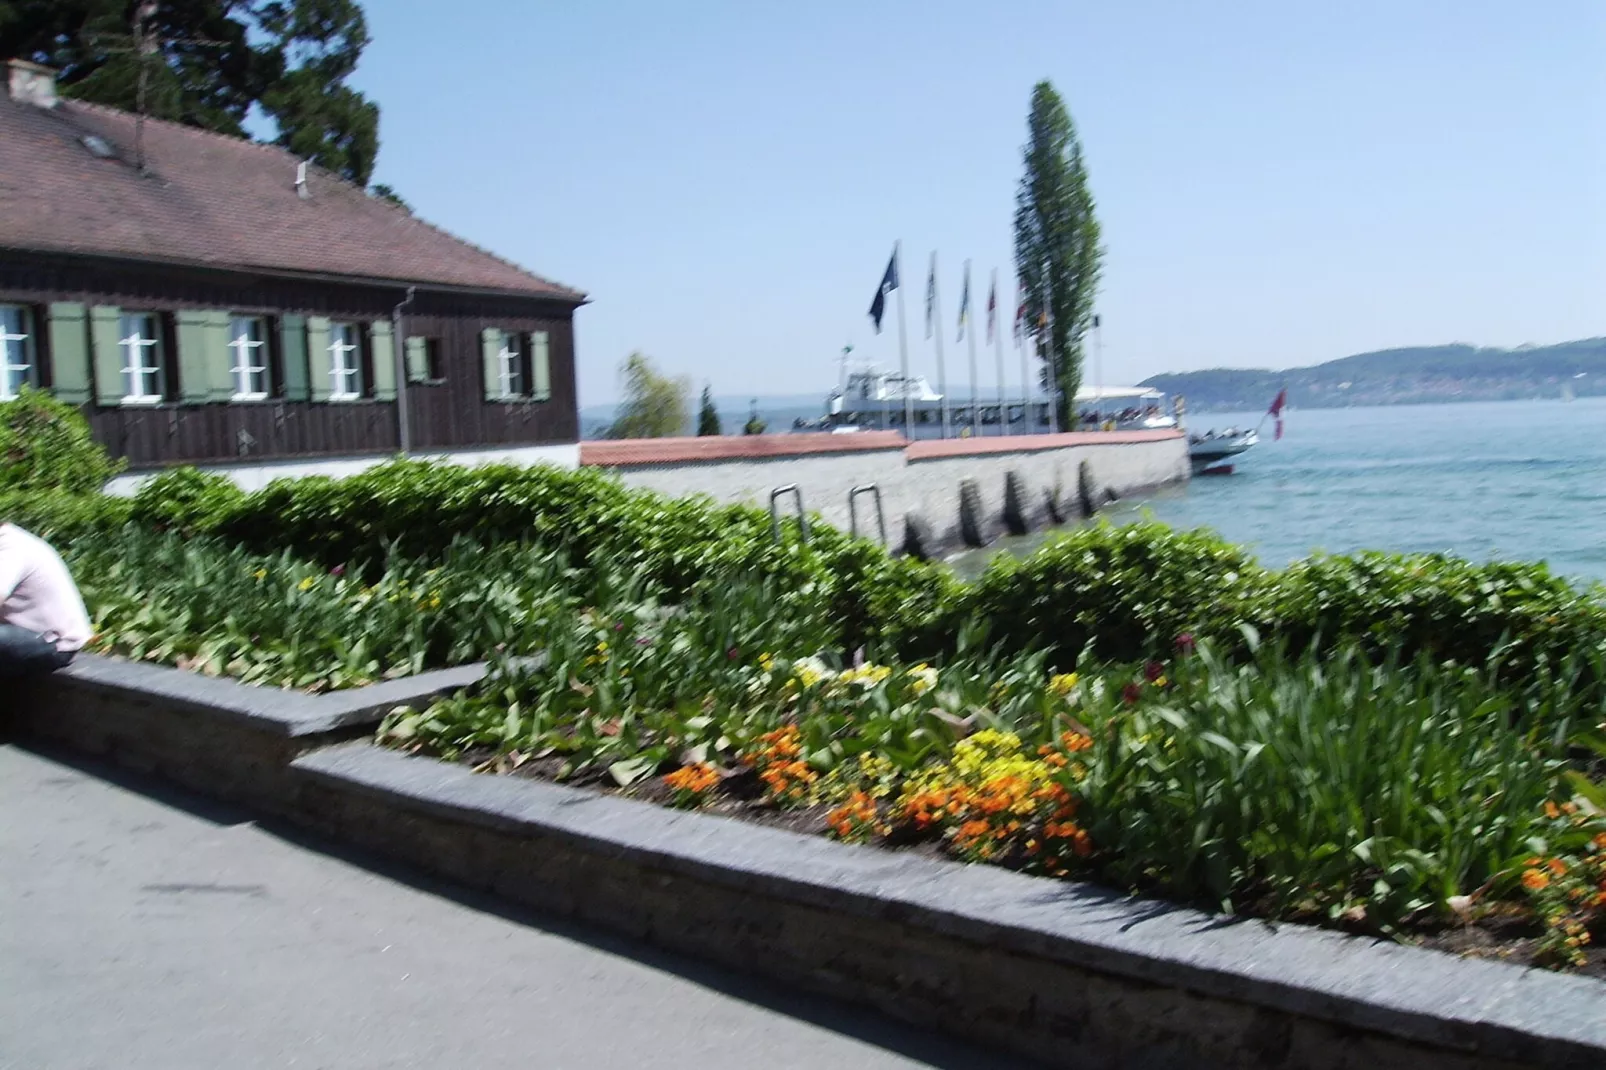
[1122, 592]
[46, 445]
[418, 509]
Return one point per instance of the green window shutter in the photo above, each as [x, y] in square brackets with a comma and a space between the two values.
[540, 367]
[293, 355]
[69, 352]
[384, 354]
[417, 360]
[219, 357]
[490, 348]
[104, 333]
[194, 357]
[318, 356]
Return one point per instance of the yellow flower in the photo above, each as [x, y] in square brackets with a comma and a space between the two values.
[766, 662]
[306, 584]
[924, 677]
[1062, 684]
[808, 671]
[261, 574]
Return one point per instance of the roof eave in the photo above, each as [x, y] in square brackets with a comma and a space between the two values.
[573, 298]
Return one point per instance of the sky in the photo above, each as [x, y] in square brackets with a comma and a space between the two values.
[1278, 183]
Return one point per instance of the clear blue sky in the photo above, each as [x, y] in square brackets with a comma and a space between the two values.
[1279, 183]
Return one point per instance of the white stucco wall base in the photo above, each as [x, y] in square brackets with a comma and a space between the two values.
[922, 485]
[255, 476]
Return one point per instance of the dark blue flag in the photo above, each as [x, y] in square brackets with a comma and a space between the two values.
[889, 282]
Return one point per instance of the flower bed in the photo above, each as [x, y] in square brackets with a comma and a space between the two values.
[1385, 796]
[1059, 715]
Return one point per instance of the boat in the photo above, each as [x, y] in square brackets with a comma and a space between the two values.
[1209, 453]
[1123, 408]
[871, 399]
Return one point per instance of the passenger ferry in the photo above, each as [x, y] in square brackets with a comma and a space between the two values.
[873, 400]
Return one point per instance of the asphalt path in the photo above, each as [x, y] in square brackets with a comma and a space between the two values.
[142, 927]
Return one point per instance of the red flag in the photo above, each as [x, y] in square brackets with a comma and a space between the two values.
[1276, 411]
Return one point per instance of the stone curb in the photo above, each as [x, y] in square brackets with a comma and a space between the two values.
[1059, 971]
[1475, 1007]
[274, 711]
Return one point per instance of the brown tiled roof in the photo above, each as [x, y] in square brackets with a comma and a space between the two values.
[215, 200]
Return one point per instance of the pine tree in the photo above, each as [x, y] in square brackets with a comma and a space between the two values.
[214, 60]
[1057, 253]
[707, 415]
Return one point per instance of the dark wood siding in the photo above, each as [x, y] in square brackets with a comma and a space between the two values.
[448, 415]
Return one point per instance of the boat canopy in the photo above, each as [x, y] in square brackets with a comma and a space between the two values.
[1118, 393]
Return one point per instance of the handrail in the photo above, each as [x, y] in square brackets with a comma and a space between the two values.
[853, 509]
[775, 515]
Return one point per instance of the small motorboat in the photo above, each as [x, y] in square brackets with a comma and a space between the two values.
[1210, 452]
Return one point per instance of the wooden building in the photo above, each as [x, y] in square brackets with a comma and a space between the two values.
[214, 301]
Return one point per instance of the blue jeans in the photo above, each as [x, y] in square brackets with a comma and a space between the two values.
[25, 653]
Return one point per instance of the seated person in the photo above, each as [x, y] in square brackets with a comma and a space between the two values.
[43, 622]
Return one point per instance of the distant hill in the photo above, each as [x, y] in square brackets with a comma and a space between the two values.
[1403, 376]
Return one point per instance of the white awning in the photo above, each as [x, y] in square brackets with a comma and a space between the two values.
[1118, 393]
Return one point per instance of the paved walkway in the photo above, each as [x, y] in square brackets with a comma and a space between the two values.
[144, 928]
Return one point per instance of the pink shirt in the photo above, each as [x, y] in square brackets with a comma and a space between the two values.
[37, 591]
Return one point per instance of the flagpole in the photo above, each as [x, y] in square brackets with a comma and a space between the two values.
[1025, 388]
[903, 349]
[970, 329]
[998, 345]
[1098, 358]
[1025, 372]
[936, 333]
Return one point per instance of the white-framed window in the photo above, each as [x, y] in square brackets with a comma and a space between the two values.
[510, 366]
[140, 340]
[16, 350]
[345, 362]
[248, 363]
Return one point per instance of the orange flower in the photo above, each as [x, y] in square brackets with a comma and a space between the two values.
[1535, 879]
[694, 779]
[1599, 841]
[1557, 867]
[1075, 741]
[1551, 811]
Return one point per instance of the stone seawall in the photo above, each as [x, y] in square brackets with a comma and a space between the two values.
[935, 495]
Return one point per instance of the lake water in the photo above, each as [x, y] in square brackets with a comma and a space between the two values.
[1521, 480]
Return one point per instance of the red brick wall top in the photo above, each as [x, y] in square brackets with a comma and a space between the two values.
[615, 453]
[930, 449]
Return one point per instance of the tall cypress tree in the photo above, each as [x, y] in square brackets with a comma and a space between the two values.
[707, 415]
[1057, 253]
